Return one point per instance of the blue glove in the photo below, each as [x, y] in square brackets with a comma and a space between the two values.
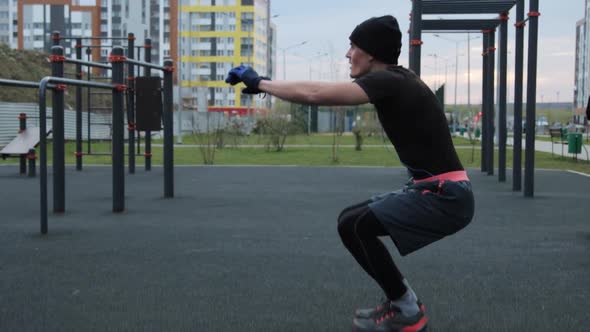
[235, 75]
[248, 76]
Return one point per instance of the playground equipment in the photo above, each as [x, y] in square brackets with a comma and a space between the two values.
[129, 81]
[57, 83]
[502, 8]
[23, 146]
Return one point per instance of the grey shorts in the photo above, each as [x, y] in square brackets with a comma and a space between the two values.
[425, 212]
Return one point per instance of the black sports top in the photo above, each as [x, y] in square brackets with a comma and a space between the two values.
[413, 120]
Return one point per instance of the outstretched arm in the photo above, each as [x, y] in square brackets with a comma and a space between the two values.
[303, 92]
[316, 93]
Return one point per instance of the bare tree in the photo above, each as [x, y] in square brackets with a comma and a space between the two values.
[276, 126]
[210, 138]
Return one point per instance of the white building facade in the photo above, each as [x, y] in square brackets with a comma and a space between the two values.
[582, 66]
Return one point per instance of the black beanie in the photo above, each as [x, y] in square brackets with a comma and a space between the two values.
[380, 37]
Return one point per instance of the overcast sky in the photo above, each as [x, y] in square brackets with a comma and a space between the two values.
[326, 25]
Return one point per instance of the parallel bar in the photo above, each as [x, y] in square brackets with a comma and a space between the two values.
[518, 97]
[145, 64]
[70, 81]
[88, 63]
[93, 38]
[22, 84]
[529, 172]
[43, 85]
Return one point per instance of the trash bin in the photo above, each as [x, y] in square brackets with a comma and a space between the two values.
[461, 131]
[574, 143]
[477, 132]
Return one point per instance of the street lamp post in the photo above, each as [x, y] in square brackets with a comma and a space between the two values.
[435, 56]
[284, 50]
[252, 60]
[309, 106]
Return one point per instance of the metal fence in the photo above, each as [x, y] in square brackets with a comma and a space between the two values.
[9, 123]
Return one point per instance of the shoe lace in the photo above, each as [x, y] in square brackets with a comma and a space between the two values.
[386, 313]
[383, 305]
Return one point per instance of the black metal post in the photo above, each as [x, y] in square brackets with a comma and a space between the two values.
[416, 36]
[531, 100]
[168, 127]
[55, 38]
[502, 82]
[22, 119]
[79, 106]
[484, 103]
[57, 70]
[88, 104]
[118, 62]
[491, 95]
[148, 134]
[31, 156]
[518, 96]
[131, 102]
[43, 154]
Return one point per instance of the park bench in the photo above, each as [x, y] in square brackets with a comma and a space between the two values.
[23, 147]
[557, 137]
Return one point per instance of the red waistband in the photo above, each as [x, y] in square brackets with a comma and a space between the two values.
[449, 176]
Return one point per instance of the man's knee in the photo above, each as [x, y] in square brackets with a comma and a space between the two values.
[345, 223]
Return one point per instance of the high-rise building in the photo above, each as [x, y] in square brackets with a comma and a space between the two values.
[7, 17]
[582, 67]
[205, 38]
[215, 36]
[37, 19]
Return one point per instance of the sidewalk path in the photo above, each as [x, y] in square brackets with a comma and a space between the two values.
[545, 146]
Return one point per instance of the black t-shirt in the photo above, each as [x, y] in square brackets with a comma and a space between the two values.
[413, 120]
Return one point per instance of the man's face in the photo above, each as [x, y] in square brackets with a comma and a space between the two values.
[360, 61]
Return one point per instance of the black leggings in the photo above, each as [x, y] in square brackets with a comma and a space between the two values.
[359, 229]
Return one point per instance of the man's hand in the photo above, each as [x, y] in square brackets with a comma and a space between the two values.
[246, 75]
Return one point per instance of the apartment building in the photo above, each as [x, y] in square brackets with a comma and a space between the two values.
[205, 38]
[215, 36]
[582, 65]
[37, 19]
[7, 16]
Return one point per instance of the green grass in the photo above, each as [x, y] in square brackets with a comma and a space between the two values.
[312, 156]
[321, 139]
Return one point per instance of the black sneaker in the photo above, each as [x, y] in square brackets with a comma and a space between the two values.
[390, 319]
[370, 312]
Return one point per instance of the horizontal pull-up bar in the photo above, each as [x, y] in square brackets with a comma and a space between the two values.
[147, 65]
[23, 84]
[88, 63]
[90, 38]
